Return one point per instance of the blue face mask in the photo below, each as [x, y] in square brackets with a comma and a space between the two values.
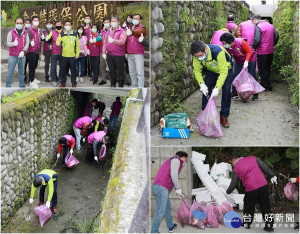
[49, 26]
[27, 25]
[114, 24]
[202, 57]
[68, 28]
[135, 22]
[227, 46]
[19, 26]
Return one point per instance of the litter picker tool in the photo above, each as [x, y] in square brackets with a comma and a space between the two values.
[28, 217]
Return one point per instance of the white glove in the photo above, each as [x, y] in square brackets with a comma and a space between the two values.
[83, 140]
[43, 36]
[96, 158]
[141, 38]
[246, 64]
[178, 192]
[126, 56]
[204, 89]
[15, 43]
[47, 38]
[274, 180]
[124, 25]
[58, 155]
[30, 201]
[32, 43]
[93, 40]
[104, 56]
[21, 55]
[48, 204]
[110, 40]
[88, 52]
[42, 58]
[85, 42]
[71, 151]
[215, 92]
[128, 32]
[293, 180]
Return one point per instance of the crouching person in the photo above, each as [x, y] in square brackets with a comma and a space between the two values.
[80, 128]
[44, 178]
[93, 140]
[66, 142]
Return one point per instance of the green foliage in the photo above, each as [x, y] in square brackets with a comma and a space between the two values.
[14, 11]
[86, 226]
[17, 95]
[71, 114]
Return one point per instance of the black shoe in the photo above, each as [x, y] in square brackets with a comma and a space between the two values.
[255, 97]
[267, 88]
[121, 83]
[234, 96]
[95, 82]
[268, 229]
[113, 85]
[47, 79]
[173, 228]
[91, 75]
[102, 82]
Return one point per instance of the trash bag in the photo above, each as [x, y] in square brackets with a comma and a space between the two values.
[183, 212]
[211, 217]
[177, 120]
[43, 213]
[70, 160]
[246, 85]
[218, 211]
[291, 191]
[209, 120]
[102, 153]
[226, 207]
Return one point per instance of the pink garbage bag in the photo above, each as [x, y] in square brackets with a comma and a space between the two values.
[102, 153]
[183, 212]
[209, 120]
[226, 207]
[291, 191]
[43, 213]
[70, 160]
[211, 217]
[246, 85]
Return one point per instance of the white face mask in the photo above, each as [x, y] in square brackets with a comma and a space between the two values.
[106, 25]
[87, 21]
[135, 22]
[80, 31]
[114, 24]
[35, 23]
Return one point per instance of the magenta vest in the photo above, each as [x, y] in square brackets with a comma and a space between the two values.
[266, 45]
[94, 50]
[231, 26]
[113, 49]
[239, 54]
[117, 106]
[249, 172]
[36, 36]
[163, 176]
[15, 50]
[69, 138]
[216, 38]
[56, 50]
[87, 31]
[46, 44]
[248, 29]
[133, 44]
[96, 135]
[81, 121]
[103, 32]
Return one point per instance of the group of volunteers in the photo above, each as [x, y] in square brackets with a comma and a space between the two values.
[232, 49]
[92, 126]
[90, 50]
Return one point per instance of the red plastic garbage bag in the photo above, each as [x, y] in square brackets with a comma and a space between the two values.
[246, 85]
[183, 212]
[209, 120]
[70, 160]
[102, 153]
[291, 191]
[43, 213]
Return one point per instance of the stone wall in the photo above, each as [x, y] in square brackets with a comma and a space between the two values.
[30, 130]
[175, 24]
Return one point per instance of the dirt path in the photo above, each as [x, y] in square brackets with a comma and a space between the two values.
[271, 121]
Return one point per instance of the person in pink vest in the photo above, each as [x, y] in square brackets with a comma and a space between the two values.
[250, 171]
[114, 51]
[80, 128]
[128, 23]
[114, 115]
[34, 51]
[94, 140]
[135, 51]
[47, 48]
[265, 38]
[104, 74]
[166, 178]
[84, 51]
[231, 26]
[18, 42]
[246, 30]
[215, 40]
[55, 52]
[87, 29]
[244, 55]
[66, 142]
[27, 23]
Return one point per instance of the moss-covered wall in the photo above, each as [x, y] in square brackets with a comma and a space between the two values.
[286, 55]
[175, 25]
[30, 129]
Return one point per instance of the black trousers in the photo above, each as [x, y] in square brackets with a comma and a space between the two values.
[88, 67]
[95, 63]
[264, 63]
[66, 63]
[47, 55]
[65, 152]
[260, 196]
[89, 153]
[33, 59]
[26, 63]
[116, 68]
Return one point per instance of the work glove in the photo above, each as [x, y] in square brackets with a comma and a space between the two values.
[47, 38]
[293, 180]
[71, 151]
[21, 55]
[83, 140]
[32, 43]
[88, 52]
[246, 64]
[48, 204]
[124, 25]
[42, 58]
[204, 89]
[93, 40]
[15, 43]
[43, 36]
[104, 56]
[178, 192]
[96, 158]
[85, 42]
[57, 155]
[30, 201]
[215, 92]
[274, 180]
[110, 40]
[141, 38]
[128, 32]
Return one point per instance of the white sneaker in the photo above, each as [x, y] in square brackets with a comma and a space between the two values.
[36, 81]
[33, 85]
[54, 84]
[77, 79]
[81, 79]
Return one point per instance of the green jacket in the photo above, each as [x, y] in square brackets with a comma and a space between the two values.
[70, 44]
[48, 177]
[218, 60]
